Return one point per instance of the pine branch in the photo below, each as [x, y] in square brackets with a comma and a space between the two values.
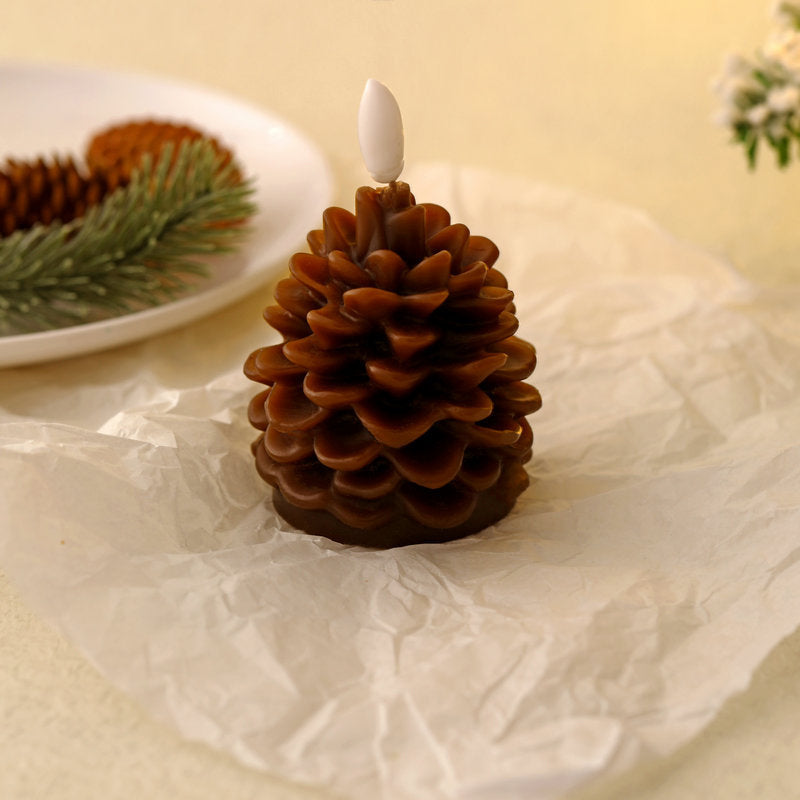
[136, 248]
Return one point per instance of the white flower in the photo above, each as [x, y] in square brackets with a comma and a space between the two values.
[784, 48]
[734, 64]
[734, 88]
[727, 117]
[777, 129]
[784, 98]
[734, 68]
[758, 115]
[736, 84]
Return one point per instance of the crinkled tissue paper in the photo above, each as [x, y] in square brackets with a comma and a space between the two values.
[649, 568]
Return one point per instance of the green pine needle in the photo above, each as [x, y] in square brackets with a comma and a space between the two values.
[137, 248]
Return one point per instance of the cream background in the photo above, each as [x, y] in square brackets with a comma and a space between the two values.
[609, 96]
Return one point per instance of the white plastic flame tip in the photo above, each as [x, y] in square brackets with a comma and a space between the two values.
[380, 132]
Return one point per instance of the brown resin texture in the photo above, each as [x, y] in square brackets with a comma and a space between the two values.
[395, 406]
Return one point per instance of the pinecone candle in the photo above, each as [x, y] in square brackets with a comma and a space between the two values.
[395, 408]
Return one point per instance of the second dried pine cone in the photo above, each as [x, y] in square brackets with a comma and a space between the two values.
[117, 151]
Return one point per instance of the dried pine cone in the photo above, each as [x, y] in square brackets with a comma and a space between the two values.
[117, 151]
[42, 192]
[396, 410]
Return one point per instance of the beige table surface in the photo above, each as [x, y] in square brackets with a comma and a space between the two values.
[609, 96]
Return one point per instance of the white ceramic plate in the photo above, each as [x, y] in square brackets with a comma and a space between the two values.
[47, 109]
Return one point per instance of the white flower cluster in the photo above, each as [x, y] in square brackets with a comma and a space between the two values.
[761, 98]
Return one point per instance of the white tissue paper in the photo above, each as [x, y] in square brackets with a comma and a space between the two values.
[647, 571]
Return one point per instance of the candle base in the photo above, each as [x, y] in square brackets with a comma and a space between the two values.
[490, 507]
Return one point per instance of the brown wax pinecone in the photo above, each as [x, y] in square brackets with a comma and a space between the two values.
[42, 191]
[395, 408]
[117, 151]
